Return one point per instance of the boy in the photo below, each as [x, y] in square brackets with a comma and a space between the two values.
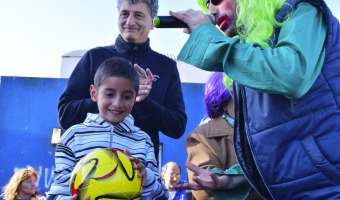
[159, 105]
[115, 88]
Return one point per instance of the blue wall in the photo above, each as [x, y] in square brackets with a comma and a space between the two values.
[29, 114]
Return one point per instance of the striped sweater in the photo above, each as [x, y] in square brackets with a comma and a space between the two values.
[95, 133]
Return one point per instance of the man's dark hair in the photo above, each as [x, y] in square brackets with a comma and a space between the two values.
[151, 4]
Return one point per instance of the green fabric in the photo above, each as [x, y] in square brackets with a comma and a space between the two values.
[238, 193]
[233, 170]
[299, 60]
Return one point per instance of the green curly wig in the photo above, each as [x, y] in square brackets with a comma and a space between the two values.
[203, 5]
[256, 20]
[254, 23]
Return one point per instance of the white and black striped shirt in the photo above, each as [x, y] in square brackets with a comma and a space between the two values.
[95, 133]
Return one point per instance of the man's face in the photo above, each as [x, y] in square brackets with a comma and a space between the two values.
[225, 14]
[171, 176]
[134, 22]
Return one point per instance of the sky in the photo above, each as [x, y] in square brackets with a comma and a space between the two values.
[36, 33]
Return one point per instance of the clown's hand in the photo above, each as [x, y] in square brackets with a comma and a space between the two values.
[193, 18]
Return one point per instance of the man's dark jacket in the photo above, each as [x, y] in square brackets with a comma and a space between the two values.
[163, 110]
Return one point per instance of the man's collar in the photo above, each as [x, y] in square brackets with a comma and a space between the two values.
[124, 47]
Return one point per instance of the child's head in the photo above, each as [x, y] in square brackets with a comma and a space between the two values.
[21, 184]
[216, 95]
[116, 85]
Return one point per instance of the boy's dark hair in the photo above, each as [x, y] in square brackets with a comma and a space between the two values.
[116, 67]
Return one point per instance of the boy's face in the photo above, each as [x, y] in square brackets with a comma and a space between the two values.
[134, 22]
[115, 99]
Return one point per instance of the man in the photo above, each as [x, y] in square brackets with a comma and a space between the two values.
[171, 174]
[160, 105]
[224, 13]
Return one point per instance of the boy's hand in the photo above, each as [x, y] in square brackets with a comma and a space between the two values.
[138, 165]
[75, 197]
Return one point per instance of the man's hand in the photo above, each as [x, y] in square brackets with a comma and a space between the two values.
[145, 82]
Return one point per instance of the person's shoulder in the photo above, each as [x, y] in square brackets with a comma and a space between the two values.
[166, 57]
[75, 128]
[211, 128]
[101, 49]
[75, 131]
[92, 121]
[203, 126]
[141, 133]
[128, 126]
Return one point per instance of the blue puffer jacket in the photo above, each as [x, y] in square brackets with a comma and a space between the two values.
[294, 143]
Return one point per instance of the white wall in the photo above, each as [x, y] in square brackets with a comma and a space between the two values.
[67, 66]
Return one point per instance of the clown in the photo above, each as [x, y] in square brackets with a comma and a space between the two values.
[285, 63]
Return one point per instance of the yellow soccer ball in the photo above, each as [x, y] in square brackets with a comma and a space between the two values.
[105, 174]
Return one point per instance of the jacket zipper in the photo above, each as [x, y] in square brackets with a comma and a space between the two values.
[111, 137]
[133, 56]
[243, 97]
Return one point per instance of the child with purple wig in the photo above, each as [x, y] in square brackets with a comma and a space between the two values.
[210, 145]
[217, 97]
